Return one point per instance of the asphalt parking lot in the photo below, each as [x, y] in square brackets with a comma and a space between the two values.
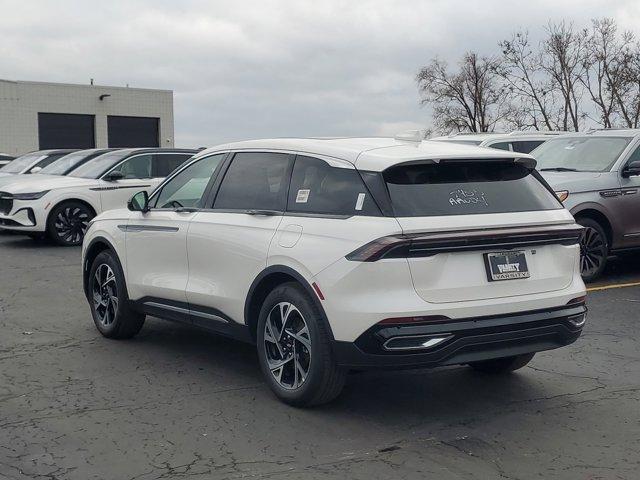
[176, 402]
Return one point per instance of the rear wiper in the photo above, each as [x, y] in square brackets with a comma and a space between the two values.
[558, 169]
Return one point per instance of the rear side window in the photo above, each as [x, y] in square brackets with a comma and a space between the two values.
[165, 163]
[255, 181]
[501, 146]
[465, 188]
[317, 187]
[526, 146]
[138, 166]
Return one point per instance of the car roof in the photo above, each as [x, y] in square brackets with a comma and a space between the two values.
[369, 153]
[156, 150]
[608, 132]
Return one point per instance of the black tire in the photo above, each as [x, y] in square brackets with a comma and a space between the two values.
[502, 365]
[113, 319]
[68, 222]
[324, 379]
[594, 249]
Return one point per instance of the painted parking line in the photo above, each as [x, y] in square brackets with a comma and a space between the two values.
[615, 285]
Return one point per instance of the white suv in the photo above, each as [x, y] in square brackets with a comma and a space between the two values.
[338, 254]
[61, 206]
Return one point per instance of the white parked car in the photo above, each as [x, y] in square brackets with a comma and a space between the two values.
[338, 254]
[519, 142]
[62, 206]
[32, 162]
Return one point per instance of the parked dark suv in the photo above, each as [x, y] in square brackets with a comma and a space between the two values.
[597, 177]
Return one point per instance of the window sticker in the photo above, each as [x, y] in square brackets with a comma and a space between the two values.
[360, 201]
[303, 196]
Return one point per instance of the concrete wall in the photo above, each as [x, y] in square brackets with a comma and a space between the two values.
[20, 103]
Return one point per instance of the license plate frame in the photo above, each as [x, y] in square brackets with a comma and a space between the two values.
[509, 265]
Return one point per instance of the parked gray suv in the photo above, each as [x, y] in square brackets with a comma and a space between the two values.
[597, 176]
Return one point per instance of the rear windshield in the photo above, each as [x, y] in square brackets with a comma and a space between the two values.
[465, 188]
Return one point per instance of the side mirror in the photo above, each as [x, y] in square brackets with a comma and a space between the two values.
[139, 202]
[113, 176]
[35, 169]
[632, 169]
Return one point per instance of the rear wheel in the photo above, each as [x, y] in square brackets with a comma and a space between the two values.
[68, 222]
[112, 315]
[594, 249]
[294, 349]
[502, 365]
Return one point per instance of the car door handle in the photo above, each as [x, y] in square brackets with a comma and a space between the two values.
[186, 210]
[267, 213]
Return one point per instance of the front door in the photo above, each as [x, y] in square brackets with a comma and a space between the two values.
[156, 241]
[228, 244]
[629, 202]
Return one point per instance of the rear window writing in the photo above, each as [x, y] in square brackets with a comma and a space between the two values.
[466, 188]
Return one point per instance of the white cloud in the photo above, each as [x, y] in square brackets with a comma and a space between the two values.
[246, 69]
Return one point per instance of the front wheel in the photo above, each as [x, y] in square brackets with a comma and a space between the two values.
[294, 349]
[594, 249]
[112, 314]
[68, 222]
[502, 365]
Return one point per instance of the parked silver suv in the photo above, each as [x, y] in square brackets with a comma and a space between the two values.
[597, 176]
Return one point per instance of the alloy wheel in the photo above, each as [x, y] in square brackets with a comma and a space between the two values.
[593, 251]
[287, 345]
[71, 224]
[105, 294]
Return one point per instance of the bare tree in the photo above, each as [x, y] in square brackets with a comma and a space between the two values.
[527, 83]
[470, 99]
[607, 64]
[564, 60]
[628, 94]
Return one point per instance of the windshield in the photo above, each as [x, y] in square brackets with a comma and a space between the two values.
[580, 154]
[20, 163]
[98, 166]
[65, 164]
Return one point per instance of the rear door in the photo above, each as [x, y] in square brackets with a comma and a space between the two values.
[228, 243]
[455, 201]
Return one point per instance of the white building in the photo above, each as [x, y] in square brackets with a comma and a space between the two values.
[38, 116]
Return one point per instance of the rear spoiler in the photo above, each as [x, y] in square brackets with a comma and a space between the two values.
[528, 163]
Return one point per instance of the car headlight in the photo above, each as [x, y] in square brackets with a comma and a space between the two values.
[562, 195]
[29, 196]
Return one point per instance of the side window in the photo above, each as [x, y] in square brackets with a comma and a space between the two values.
[136, 167]
[317, 187]
[255, 181]
[187, 188]
[165, 163]
[526, 146]
[501, 146]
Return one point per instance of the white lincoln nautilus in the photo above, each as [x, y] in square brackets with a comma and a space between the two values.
[346, 254]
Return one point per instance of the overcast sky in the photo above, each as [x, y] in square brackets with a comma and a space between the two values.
[250, 69]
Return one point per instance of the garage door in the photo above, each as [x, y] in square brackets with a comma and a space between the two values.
[66, 130]
[133, 131]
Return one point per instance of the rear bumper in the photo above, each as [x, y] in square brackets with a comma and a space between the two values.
[465, 340]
